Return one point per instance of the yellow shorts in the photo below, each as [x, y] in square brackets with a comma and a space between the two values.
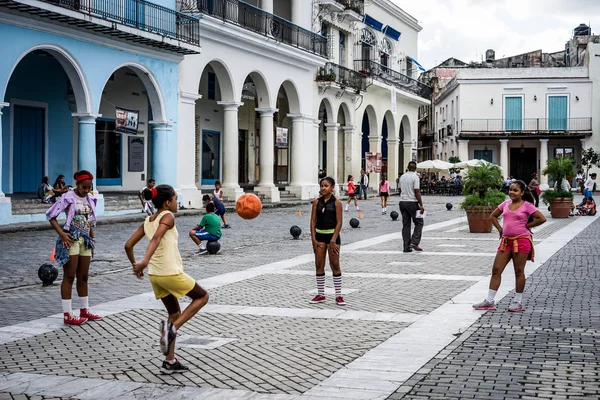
[177, 285]
[78, 248]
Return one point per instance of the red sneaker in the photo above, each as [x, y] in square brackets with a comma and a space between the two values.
[318, 299]
[340, 301]
[85, 313]
[72, 319]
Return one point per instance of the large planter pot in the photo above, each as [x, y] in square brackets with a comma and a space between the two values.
[561, 207]
[479, 219]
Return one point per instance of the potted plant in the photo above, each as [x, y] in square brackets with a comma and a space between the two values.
[560, 198]
[481, 187]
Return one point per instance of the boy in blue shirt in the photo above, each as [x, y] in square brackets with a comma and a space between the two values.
[219, 208]
[209, 229]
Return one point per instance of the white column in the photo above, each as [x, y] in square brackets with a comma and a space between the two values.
[374, 147]
[267, 158]
[267, 5]
[463, 150]
[332, 151]
[503, 157]
[392, 165]
[348, 152]
[543, 161]
[229, 159]
[303, 181]
[316, 146]
[5, 204]
[297, 12]
[582, 144]
[407, 154]
[191, 196]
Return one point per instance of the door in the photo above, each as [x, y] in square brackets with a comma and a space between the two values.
[108, 153]
[211, 157]
[523, 163]
[557, 113]
[28, 148]
[242, 156]
[513, 113]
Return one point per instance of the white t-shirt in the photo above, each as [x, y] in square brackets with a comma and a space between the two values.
[589, 184]
[408, 183]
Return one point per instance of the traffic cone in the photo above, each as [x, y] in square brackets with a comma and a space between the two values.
[359, 215]
[299, 213]
[52, 254]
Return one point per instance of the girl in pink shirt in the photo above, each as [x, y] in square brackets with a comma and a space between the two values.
[516, 242]
[384, 192]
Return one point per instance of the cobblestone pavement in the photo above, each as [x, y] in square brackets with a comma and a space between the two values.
[259, 338]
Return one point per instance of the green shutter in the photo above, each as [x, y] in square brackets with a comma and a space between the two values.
[513, 112]
[557, 113]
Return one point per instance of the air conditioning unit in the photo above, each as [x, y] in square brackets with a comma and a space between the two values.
[450, 130]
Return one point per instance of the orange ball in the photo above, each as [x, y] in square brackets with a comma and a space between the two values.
[248, 206]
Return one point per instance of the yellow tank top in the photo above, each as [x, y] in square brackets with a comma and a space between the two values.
[166, 260]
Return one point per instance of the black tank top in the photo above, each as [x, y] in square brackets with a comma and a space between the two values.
[326, 214]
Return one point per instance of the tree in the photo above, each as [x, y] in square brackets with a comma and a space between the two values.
[590, 159]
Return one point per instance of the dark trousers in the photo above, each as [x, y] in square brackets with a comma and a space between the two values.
[363, 191]
[536, 197]
[409, 209]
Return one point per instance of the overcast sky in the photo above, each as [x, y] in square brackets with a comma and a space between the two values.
[465, 29]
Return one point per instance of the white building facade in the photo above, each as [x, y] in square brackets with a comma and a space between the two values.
[516, 117]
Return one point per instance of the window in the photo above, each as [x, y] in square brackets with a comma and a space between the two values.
[368, 42]
[385, 52]
[108, 153]
[409, 68]
[342, 55]
[484, 155]
[513, 113]
[561, 152]
[212, 86]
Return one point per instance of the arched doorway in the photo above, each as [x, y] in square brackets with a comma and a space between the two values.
[290, 140]
[327, 126]
[344, 142]
[45, 88]
[406, 145]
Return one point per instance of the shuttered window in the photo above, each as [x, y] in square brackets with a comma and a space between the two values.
[557, 113]
[513, 112]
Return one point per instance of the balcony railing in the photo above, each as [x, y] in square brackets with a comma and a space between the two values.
[392, 77]
[530, 125]
[256, 20]
[139, 14]
[358, 6]
[342, 76]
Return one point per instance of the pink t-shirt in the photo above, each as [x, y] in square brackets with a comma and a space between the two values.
[385, 188]
[515, 222]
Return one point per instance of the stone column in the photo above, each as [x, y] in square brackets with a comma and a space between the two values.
[316, 146]
[543, 161]
[229, 159]
[86, 144]
[303, 181]
[374, 147]
[332, 151]
[463, 150]
[392, 165]
[407, 154]
[191, 196]
[503, 157]
[5, 204]
[348, 149]
[582, 144]
[297, 12]
[267, 157]
[267, 5]
[164, 155]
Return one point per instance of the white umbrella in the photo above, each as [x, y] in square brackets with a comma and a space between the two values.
[434, 165]
[472, 163]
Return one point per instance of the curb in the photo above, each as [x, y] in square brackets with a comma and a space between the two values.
[137, 217]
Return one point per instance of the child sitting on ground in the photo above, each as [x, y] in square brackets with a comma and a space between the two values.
[219, 208]
[209, 229]
[586, 207]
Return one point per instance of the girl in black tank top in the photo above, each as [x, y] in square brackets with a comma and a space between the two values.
[325, 226]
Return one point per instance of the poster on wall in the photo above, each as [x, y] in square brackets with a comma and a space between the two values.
[413, 155]
[136, 154]
[281, 137]
[126, 121]
[373, 162]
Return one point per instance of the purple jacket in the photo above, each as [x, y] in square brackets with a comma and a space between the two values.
[66, 203]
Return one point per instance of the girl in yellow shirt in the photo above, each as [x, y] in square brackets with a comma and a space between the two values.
[165, 271]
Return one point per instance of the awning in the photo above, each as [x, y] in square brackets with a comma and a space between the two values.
[391, 32]
[416, 63]
[373, 23]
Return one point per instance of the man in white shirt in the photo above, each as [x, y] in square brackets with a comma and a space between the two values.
[588, 187]
[364, 184]
[410, 204]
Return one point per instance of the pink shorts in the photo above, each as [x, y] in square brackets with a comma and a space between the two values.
[524, 246]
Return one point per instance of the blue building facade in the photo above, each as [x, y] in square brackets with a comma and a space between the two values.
[66, 67]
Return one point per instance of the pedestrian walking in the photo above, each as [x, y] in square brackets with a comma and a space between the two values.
[218, 193]
[219, 208]
[588, 186]
[208, 229]
[75, 245]
[165, 271]
[325, 226]
[364, 184]
[516, 243]
[351, 193]
[384, 193]
[145, 196]
[411, 208]
[534, 187]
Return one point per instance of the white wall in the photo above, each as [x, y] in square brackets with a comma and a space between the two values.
[594, 70]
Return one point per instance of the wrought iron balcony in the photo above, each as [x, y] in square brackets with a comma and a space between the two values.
[343, 76]
[256, 20]
[391, 77]
[139, 14]
[545, 126]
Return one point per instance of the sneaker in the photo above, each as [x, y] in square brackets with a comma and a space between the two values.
[339, 300]
[317, 299]
[515, 307]
[201, 250]
[346, 210]
[485, 305]
[358, 209]
[87, 314]
[226, 226]
[383, 213]
[408, 250]
[416, 247]
[168, 368]
[72, 319]
[167, 335]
